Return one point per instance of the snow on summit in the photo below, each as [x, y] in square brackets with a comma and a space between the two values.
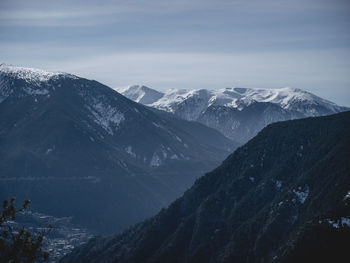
[141, 94]
[29, 74]
[239, 98]
[238, 113]
[36, 81]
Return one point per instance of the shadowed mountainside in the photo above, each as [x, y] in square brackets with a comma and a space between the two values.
[75, 147]
[282, 197]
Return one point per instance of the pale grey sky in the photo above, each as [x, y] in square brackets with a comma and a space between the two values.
[185, 44]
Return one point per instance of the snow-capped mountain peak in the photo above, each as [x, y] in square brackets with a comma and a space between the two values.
[239, 113]
[30, 74]
[233, 97]
[141, 94]
[32, 82]
[284, 97]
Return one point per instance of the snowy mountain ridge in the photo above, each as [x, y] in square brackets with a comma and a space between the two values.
[31, 74]
[33, 82]
[233, 97]
[238, 113]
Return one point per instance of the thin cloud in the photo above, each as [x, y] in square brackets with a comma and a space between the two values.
[185, 43]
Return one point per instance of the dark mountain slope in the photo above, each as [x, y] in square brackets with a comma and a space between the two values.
[279, 198]
[78, 148]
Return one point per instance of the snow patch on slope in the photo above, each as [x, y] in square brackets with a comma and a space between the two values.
[155, 161]
[342, 222]
[35, 92]
[108, 117]
[130, 151]
[347, 196]
[302, 195]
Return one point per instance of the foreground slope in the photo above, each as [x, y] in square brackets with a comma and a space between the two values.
[238, 113]
[78, 148]
[282, 197]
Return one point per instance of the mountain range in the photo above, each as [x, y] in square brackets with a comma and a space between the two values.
[76, 147]
[79, 149]
[238, 113]
[282, 197]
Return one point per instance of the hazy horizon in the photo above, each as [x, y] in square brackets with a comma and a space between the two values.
[185, 44]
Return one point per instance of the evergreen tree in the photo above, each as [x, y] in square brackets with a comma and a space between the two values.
[18, 245]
